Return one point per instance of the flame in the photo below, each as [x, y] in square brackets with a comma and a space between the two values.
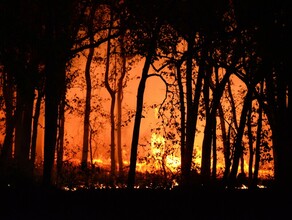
[158, 149]
[97, 161]
[173, 161]
[157, 144]
[162, 157]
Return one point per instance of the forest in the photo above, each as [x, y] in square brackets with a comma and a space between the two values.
[222, 119]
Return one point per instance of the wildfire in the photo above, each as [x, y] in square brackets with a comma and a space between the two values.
[159, 151]
[161, 158]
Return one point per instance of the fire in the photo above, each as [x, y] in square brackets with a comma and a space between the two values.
[159, 151]
[160, 158]
[173, 162]
[157, 144]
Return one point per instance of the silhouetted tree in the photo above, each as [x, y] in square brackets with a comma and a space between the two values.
[269, 24]
[148, 26]
[21, 56]
[86, 123]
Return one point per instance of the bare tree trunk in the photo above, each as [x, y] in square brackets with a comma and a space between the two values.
[25, 101]
[279, 114]
[208, 132]
[182, 109]
[112, 93]
[139, 107]
[35, 126]
[258, 142]
[51, 118]
[60, 140]
[238, 142]
[86, 123]
[214, 151]
[250, 145]
[119, 105]
[226, 144]
[206, 148]
[214, 135]
[191, 116]
[58, 45]
[234, 121]
[242, 164]
[113, 147]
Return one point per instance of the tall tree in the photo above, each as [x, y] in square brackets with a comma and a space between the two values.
[270, 25]
[119, 103]
[149, 27]
[112, 92]
[86, 123]
[20, 57]
[62, 22]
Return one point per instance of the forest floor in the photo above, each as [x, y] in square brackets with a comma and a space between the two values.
[39, 203]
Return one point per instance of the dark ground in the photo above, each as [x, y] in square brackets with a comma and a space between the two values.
[42, 204]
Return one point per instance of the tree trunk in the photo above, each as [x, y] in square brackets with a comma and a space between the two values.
[191, 116]
[86, 123]
[25, 101]
[238, 142]
[250, 145]
[8, 89]
[139, 107]
[258, 143]
[206, 148]
[56, 56]
[52, 93]
[60, 139]
[208, 132]
[182, 110]
[226, 144]
[112, 93]
[279, 119]
[35, 126]
[214, 151]
[119, 105]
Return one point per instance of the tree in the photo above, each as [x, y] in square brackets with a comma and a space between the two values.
[149, 27]
[270, 28]
[62, 22]
[86, 125]
[20, 57]
[112, 93]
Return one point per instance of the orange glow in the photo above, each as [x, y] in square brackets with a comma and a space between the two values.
[157, 152]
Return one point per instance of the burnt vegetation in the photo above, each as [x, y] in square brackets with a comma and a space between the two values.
[222, 125]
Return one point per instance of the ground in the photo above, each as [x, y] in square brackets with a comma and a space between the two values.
[39, 203]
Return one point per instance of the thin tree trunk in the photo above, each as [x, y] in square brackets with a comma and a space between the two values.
[250, 145]
[60, 140]
[238, 142]
[258, 142]
[226, 144]
[119, 105]
[182, 109]
[214, 151]
[208, 132]
[206, 148]
[35, 126]
[191, 116]
[112, 93]
[86, 123]
[139, 108]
